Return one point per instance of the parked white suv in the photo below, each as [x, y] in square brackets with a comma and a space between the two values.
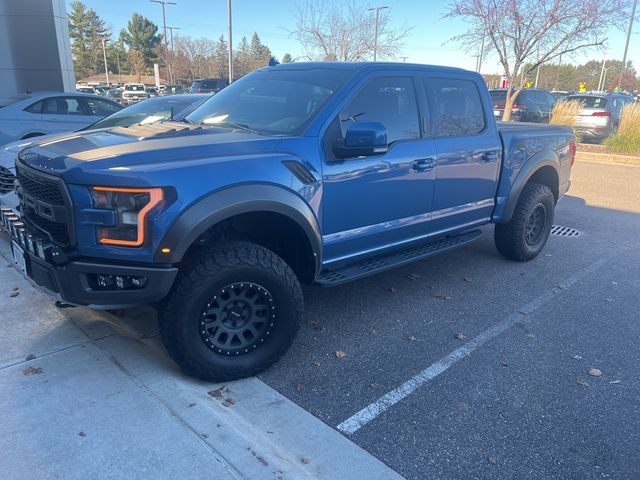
[134, 92]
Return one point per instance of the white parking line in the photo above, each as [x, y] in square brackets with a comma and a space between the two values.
[364, 416]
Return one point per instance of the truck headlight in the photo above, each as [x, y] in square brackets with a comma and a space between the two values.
[131, 206]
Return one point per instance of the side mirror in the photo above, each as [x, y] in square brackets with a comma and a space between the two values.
[362, 139]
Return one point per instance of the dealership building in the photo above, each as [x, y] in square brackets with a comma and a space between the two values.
[35, 51]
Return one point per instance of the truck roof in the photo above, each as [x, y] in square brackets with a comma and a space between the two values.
[364, 66]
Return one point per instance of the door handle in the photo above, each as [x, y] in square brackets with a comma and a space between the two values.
[423, 164]
[488, 157]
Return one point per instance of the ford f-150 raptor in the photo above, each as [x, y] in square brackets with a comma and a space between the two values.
[316, 173]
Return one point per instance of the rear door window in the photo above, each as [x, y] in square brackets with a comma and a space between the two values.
[35, 108]
[390, 101]
[62, 106]
[457, 107]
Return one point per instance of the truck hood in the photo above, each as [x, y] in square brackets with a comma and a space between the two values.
[140, 145]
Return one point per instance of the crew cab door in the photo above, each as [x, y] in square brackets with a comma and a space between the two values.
[468, 153]
[377, 202]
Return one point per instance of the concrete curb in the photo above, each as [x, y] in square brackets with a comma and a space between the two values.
[607, 158]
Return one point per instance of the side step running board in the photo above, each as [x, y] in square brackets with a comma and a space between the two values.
[330, 278]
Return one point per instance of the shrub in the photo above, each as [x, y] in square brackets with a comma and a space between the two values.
[565, 112]
[627, 138]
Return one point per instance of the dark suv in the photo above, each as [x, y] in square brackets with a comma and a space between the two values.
[208, 85]
[531, 105]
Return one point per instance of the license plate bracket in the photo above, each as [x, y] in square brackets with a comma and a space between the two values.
[19, 258]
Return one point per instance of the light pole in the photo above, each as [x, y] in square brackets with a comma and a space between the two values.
[375, 38]
[173, 53]
[230, 42]
[626, 45]
[555, 87]
[104, 54]
[480, 55]
[164, 24]
[602, 70]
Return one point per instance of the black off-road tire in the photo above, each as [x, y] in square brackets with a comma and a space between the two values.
[234, 266]
[516, 239]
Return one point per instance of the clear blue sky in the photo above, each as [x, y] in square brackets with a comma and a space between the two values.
[272, 20]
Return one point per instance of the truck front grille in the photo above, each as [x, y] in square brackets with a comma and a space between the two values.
[39, 187]
[45, 204]
[6, 180]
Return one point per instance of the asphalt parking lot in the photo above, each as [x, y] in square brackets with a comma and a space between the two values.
[461, 366]
[514, 399]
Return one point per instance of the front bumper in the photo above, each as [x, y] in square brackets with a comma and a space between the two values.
[74, 281]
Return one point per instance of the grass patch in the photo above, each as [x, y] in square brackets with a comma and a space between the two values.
[627, 138]
[565, 112]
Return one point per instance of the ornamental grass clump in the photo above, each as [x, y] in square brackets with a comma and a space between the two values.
[627, 138]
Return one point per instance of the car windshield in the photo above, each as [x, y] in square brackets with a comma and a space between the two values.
[134, 88]
[274, 101]
[148, 111]
[589, 102]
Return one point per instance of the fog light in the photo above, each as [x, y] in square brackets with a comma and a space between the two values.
[138, 282]
[105, 281]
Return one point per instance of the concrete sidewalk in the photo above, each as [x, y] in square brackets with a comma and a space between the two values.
[84, 394]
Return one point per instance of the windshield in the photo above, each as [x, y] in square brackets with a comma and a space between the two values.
[273, 101]
[148, 111]
[134, 88]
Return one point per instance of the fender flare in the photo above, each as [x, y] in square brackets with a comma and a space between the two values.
[219, 206]
[544, 158]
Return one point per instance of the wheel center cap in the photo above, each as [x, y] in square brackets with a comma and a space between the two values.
[237, 316]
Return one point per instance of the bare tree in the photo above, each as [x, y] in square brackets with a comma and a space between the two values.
[533, 32]
[344, 31]
[136, 63]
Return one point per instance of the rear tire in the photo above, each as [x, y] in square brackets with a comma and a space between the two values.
[525, 235]
[233, 312]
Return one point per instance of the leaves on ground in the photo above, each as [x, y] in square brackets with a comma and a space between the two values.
[305, 460]
[298, 387]
[504, 364]
[468, 279]
[523, 312]
[316, 363]
[82, 434]
[411, 338]
[609, 300]
[217, 393]
[31, 356]
[412, 276]
[392, 289]
[32, 371]
[577, 357]
[341, 354]
[582, 382]
[615, 382]
[14, 294]
[374, 332]
[375, 386]
[313, 324]
[204, 435]
[191, 405]
[594, 372]
[230, 401]
[441, 296]
[492, 460]
[459, 335]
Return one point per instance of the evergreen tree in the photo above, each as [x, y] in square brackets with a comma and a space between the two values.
[259, 53]
[86, 29]
[287, 58]
[221, 58]
[142, 35]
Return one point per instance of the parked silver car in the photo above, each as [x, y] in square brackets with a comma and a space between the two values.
[599, 115]
[148, 111]
[41, 113]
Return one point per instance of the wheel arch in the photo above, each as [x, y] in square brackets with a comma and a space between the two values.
[287, 214]
[543, 168]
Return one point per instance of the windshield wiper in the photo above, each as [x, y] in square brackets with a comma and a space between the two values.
[236, 126]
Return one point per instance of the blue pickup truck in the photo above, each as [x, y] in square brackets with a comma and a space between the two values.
[315, 173]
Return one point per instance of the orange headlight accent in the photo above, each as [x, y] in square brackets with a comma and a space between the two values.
[155, 197]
